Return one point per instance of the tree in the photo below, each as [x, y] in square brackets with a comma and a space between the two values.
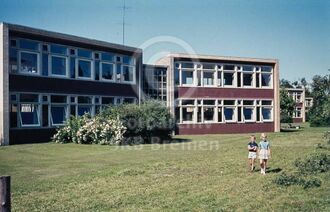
[287, 105]
[319, 114]
[285, 83]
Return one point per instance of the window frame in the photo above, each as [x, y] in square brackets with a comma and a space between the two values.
[20, 62]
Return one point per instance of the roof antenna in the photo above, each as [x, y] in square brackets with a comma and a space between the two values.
[124, 10]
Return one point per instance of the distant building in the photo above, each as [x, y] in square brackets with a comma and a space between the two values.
[298, 95]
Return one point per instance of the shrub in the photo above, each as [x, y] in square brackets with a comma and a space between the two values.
[315, 163]
[143, 122]
[87, 130]
[290, 179]
[326, 136]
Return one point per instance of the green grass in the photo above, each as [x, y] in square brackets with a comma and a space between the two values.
[208, 173]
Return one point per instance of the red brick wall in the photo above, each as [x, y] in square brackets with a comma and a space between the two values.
[195, 129]
[198, 92]
[297, 120]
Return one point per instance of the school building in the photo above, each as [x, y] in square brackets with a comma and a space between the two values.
[47, 76]
[298, 95]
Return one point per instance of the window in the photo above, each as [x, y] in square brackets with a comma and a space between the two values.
[84, 53]
[248, 113]
[247, 79]
[208, 78]
[229, 113]
[129, 100]
[219, 114]
[266, 69]
[128, 60]
[266, 114]
[208, 114]
[107, 57]
[266, 80]
[107, 71]
[128, 73]
[29, 44]
[187, 114]
[58, 114]
[228, 79]
[84, 100]
[83, 109]
[29, 114]
[219, 78]
[108, 100]
[58, 49]
[84, 68]
[58, 65]
[28, 62]
[187, 77]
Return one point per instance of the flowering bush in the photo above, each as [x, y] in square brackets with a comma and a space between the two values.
[87, 130]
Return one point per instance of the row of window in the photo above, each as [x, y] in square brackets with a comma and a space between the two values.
[225, 75]
[48, 110]
[296, 96]
[155, 83]
[223, 111]
[27, 57]
[297, 113]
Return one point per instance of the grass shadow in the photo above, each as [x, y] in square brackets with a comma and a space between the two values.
[177, 140]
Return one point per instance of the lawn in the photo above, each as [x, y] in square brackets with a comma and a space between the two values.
[207, 172]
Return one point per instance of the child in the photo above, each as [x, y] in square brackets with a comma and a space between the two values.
[252, 147]
[264, 153]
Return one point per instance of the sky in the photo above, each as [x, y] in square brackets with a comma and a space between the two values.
[297, 32]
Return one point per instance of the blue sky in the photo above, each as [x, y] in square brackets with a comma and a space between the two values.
[297, 32]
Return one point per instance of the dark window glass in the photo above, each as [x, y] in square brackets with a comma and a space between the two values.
[45, 48]
[266, 102]
[247, 79]
[107, 71]
[228, 78]
[84, 53]
[84, 69]
[229, 102]
[72, 52]
[248, 112]
[208, 78]
[258, 113]
[84, 99]
[266, 113]
[239, 79]
[45, 115]
[118, 75]
[128, 73]
[187, 65]
[208, 66]
[13, 43]
[96, 56]
[176, 77]
[57, 49]
[108, 100]
[97, 100]
[266, 68]
[73, 110]
[209, 102]
[208, 114]
[107, 56]
[219, 114]
[257, 80]
[229, 113]
[13, 115]
[187, 114]
[29, 98]
[177, 114]
[29, 44]
[239, 115]
[29, 62]
[84, 109]
[97, 70]
[128, 60]
[13, 60]
[58, 99]
[45, 98]
[72, 99]
[58, 114]
[58, 65]
[72, 67]
[13, 97]
[118, 59]
[199, 114]
[45, 64]
[187, 77]
[187, 102]
[248, 102]
[247, 68]
[29, 114]
[265, 79]
[228, 67]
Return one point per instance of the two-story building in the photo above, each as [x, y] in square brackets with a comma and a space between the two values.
[298, 95]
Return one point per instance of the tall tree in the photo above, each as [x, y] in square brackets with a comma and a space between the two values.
[287, 105]
[285, 83]
[320, 112]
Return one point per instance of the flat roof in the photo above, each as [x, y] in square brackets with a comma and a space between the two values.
[227, 58]
[72, 38]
